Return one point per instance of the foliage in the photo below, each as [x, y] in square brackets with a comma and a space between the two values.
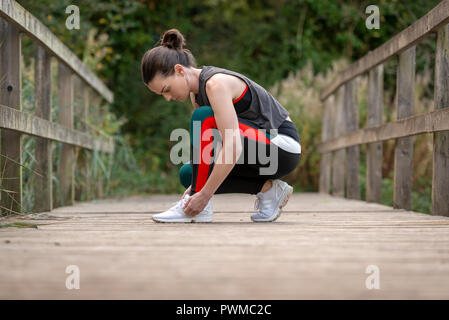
[267, 40]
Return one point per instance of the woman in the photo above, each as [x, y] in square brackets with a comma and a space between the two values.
[237, 107]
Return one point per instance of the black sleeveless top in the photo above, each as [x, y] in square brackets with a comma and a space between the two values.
[242, 103]
[264, 110]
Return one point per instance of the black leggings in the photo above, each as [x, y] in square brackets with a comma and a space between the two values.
[250, 172]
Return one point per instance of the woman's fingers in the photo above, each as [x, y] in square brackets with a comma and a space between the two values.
[186, 192]
[186, 206]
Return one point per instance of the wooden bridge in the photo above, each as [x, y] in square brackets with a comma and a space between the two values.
[325, 245]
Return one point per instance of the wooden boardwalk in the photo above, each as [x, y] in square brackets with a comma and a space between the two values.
[320, 248]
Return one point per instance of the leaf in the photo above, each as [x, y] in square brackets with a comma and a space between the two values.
[18, 225]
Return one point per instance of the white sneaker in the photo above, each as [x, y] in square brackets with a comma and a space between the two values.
[176, 213]
[270, 203]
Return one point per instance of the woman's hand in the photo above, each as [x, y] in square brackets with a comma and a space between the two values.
[187, 192]
[196, 203]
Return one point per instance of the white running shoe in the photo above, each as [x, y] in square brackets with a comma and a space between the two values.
[176, 213]
[270, 203]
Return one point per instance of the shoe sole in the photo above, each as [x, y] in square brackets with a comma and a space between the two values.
[287, 193]
[187, 220]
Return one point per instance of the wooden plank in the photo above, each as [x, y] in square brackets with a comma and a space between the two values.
[95, 105]
[24, 122]
[10, 95]
[14, 13]
[338, 160]
[440, 180]
[374, 150]
[405, 105]
[432, 21]
[66, 168]
[315, 236]
[82, 191]
[424, 123]
[43, 199]
[326, 134]
[351, 114]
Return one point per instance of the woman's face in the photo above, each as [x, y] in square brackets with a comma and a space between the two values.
[174, 87]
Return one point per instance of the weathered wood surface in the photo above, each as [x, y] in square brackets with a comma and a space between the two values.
[43, 181]
[351, 113]
[81, 91]
[15, 14]
[10, 95]
[440, 180]
[320, 248]
[27, 123]
[374, 150]
[66, 167]
[339, 156]
[326, 134]
[432, 21]
[405, 107]
[434, 121]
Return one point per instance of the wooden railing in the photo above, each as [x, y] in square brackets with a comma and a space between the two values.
[76, 83]
[341, 137]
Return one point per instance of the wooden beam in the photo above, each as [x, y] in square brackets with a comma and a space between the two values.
[403, 154]
[15, 14]
[432, 21]
[338, 160]
[66, 168]
[374, 150]
[10, 95]
[95, 106]
[440, 180]
[83, 190]
[326, 134]
[24, 122]
[352, 162]
[43, 199]
[424, 123]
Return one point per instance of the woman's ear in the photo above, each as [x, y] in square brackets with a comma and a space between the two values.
[179, 69]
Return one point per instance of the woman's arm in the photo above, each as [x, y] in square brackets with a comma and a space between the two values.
[220, 97]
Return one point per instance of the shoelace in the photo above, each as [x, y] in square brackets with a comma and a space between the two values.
[265, 202]
[178, 204]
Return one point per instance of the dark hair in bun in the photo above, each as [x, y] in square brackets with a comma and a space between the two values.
[163, 58]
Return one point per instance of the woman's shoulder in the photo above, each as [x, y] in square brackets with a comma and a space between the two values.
[220, 81]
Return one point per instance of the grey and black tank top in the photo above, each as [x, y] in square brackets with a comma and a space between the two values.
[264, 110]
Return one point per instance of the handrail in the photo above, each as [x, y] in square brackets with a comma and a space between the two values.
[78, 89]
[341, 138]
[419, 124]
[14, 13]
[24, 122]
[433, 20]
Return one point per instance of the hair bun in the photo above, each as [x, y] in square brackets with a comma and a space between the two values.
[173, 39]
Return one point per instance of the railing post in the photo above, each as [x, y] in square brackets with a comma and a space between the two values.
[326, 134]
[67, 164]
[43, 200]
[351, 113]
[440, 180]
[403, 156]
[374, 150]
[95, 100]
[10, 95]
[81, 91]
[338, 160]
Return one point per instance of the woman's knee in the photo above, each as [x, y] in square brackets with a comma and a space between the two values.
[199, 117]
[202, 113]
[185, 174]
[289, 165]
